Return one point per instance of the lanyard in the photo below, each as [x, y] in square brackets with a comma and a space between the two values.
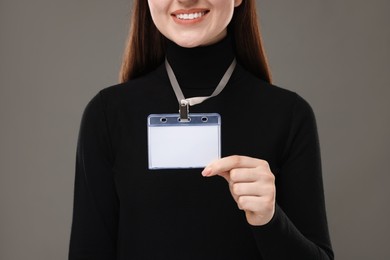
[184, 103]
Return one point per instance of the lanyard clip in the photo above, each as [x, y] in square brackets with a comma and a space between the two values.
[184, 110]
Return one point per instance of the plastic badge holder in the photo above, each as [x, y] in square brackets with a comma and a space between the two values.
[173, 144]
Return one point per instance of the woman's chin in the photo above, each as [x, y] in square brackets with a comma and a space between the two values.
[188, 42]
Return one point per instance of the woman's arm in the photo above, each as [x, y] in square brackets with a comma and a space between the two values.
[294, 225]
[95, 213]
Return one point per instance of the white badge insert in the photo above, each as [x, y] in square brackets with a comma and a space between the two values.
[175, 144]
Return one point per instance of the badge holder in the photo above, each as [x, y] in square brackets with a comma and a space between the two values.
[175, 144]
[184, 140]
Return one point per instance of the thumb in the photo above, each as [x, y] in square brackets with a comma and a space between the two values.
[225, 175]
[208, 172]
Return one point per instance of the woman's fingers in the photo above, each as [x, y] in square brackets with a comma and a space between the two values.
[260, 173]
[251, 189]
[251, 183]
[255, 204]
[226, 164]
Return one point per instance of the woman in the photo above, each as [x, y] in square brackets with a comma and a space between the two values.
[269, 203]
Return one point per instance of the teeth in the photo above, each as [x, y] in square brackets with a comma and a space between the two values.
[190, 16]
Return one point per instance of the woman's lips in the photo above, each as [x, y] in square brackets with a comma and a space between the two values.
[189, 16]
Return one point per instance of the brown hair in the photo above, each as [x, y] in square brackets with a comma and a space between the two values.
[145, 48]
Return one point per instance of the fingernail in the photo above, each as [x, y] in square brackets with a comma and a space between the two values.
[206, 171]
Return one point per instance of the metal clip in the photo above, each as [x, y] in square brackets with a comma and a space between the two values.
[184, 110]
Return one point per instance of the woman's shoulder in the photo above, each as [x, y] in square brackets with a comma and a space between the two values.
[133, 90]
[260, 91]
[141, 83]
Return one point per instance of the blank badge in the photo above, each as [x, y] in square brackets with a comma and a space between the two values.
[174, 144]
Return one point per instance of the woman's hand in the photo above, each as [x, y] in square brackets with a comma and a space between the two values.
[251, 183]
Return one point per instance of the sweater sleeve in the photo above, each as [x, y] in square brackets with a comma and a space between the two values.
[299, 228]
[95, 212]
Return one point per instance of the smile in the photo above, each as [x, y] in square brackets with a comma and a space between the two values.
[190, 16]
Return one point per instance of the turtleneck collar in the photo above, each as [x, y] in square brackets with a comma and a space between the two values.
[200, 67]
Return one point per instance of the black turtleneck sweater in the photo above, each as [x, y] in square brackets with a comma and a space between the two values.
[124, 211]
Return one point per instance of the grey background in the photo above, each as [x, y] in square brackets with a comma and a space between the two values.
[55, 55]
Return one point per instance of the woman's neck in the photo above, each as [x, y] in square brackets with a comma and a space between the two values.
[200, 67]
